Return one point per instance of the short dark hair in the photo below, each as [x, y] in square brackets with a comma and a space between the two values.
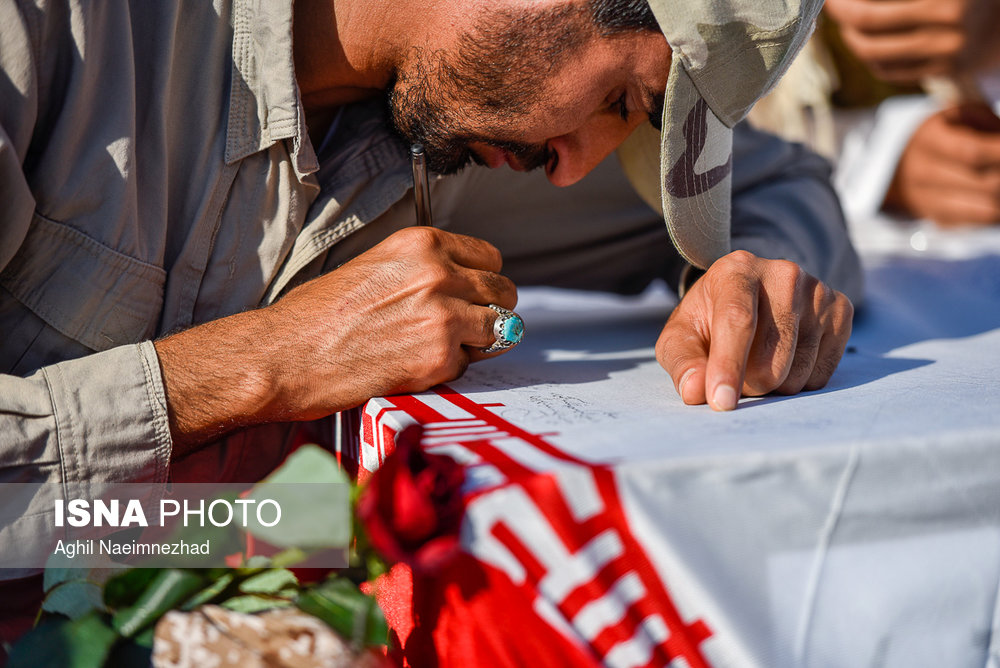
[613, 17]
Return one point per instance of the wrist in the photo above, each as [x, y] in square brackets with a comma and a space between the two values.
[219, 377]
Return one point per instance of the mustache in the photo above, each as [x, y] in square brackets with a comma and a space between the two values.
[414, 118]
[529, 156]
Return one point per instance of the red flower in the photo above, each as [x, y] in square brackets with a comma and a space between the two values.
[412, 506]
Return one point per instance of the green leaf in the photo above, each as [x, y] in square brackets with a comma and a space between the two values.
[345, 609]
[257, 561]
[310, 463]
[85, 642]
[125, 588]
[55, 576]
[166, 591]
[269, 582]
[210, 592]
[308, 483]
[228, 539]
[288, 557]
[74, 599]
[253, 603]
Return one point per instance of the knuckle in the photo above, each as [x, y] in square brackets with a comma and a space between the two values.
[434, 275]
[741, 259]
[825, 299]
[845, 307]
[822, 372]
[739, 316]
[787, 272]
[420, 238]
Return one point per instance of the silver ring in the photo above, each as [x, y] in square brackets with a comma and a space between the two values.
[508, 329]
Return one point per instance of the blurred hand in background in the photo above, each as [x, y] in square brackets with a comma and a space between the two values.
[950, 170]
[904, 41]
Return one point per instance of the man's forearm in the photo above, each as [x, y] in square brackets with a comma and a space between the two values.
[218, 377]
[402, 317]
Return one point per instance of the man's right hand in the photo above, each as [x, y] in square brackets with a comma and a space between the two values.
[950, 170]
[405, 315]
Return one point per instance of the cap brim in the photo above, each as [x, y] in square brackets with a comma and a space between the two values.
[688, 168]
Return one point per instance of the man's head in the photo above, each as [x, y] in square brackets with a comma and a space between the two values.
[553, 84]
[562, 83]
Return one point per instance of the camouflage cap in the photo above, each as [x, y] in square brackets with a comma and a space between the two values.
[727, 54]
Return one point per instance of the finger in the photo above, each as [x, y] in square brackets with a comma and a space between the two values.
[771, 353]
[733, 328]
[440, 359]
[952, 208]
[803, 363]
[683, 352]
[485, 287]
[810, 336]
[909, 72]
[938, 172]
[915, 47]
[836, 332]
[472, 252]
[778, 317]
[891, 15]
[953, 142]
[481, 333]
[432, 243]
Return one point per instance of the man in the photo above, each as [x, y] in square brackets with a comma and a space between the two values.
[173, 293]
[920, 157]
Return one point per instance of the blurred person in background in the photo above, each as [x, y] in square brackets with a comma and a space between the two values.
[914, 87]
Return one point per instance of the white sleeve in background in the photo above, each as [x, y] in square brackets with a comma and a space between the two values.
[872, 149]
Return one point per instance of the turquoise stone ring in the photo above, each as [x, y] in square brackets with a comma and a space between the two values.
[508, 329]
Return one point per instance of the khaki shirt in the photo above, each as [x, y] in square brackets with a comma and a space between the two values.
[156, 173]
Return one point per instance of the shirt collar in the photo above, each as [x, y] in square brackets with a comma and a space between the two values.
[264, 101]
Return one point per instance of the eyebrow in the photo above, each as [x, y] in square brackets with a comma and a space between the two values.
[653, 102]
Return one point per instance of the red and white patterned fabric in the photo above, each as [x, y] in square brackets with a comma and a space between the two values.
[551, 572]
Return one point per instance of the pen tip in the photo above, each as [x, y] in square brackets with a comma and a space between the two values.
[416, 150]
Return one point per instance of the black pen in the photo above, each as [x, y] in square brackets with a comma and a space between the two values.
[421, 186]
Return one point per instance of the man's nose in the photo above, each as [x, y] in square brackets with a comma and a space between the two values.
[578, 152]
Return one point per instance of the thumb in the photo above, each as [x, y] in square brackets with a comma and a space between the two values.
[683, 352]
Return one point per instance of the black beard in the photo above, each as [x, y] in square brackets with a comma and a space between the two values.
[415, 120]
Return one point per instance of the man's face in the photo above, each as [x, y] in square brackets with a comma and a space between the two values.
[529, 90]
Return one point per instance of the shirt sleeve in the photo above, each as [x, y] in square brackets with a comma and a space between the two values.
[102, 417]
[98, 417]
[871, 152]
[785, 207]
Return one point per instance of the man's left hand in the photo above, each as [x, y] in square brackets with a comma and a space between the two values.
[754, 324]
[904, 41]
